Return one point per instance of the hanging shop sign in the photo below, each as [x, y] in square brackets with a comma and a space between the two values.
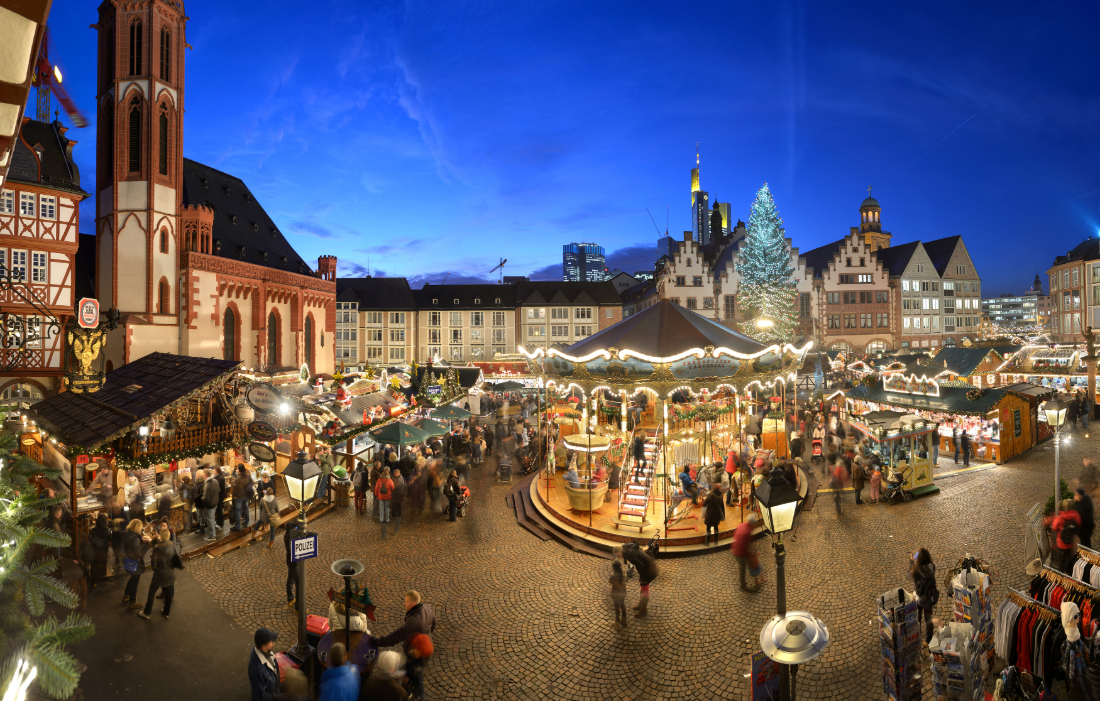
[261, 452]
[87, 313]
[1017, 429]
[264, 397]
[262, 431]
[86, 347]
[434, 389]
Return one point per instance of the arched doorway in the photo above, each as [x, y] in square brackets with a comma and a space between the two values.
[949, 342]
[272, 339]
[309, 342]
[876, 346]
[229, 335]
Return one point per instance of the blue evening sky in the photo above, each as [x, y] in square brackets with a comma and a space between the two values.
[427, 138]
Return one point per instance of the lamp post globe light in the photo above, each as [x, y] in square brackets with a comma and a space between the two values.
[779, 505]
[791, 640]
[1056, 409]
[301, 475]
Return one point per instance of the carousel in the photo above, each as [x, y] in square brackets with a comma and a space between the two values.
[672, 385]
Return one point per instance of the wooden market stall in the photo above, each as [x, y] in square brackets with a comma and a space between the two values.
[903, 443]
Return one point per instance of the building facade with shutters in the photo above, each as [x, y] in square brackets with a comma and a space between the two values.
[185, 251]
[39, 220]
[558, 314]
[1075, 292]
[375, 321]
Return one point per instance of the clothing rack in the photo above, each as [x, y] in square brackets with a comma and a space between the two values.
[1024, 600]
[1067, 582]
[1089, 555]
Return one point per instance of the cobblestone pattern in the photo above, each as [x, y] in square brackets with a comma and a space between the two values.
[520, 618]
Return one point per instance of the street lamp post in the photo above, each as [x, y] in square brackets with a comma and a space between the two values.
[1056, 418]
[347, 569]
[301, 475]
[779, 504]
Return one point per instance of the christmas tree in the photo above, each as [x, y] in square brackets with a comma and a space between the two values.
[767, 291]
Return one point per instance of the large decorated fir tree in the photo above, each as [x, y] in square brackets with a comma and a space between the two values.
[767, 292]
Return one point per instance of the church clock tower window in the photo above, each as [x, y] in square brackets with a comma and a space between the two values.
[163, 155]
[135, 48]
[165, 55]
[135, 134]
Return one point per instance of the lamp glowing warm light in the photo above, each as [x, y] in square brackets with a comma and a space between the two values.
[779, 502]
[57, 73]
[302, 475]
[284, 408]
[764, 323]
[1055, 410]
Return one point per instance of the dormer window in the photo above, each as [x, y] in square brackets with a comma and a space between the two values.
[255, 226]
[263, 256]
[456, 302]
[206, 183]
[241, 252]
[247, 197]
[477, 300]
[233, 218]
[497, 301]
[217, 245]
[282, 259]
[435, 301]
[227, 191]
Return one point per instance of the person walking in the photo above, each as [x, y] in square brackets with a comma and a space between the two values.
[923, 572]
[163, 562]
[1065, 526]
[324, 461]
[450, 490]
[269, 514]
[840, 478]
[618, 592]
[359, 486]
[100, 540]
[966, 448]
[419, 619]
[742, 550]
[647, 572]
[399, 492]
[340, 682]
[219, 510]
[859, 477]
[263, 670]
[1086, 410]
[639, 455]
[241, 492]
[290, 532]
[876, 482]
[1082, 504]
[955, 442]
[210, 492]
[134, 546]
[383, 494]
[383, 684]
[714, 512]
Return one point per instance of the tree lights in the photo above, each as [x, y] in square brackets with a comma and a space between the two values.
[767, 290]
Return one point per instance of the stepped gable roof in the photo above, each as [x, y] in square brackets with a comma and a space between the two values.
[664, 330]
[483, 296]
[131, 395]
[376, 293]
[241, 225]
[57, 171]
[532, 292]
[819, 258]
[896, 258]
[940, 251]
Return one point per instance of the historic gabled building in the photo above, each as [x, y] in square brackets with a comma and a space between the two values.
[961, 288]
[185, 251]
[39, 220]
[467, 323]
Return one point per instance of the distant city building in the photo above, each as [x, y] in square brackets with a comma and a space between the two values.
[1029, 309]
[622, 281]
[709, 221]
[583, 262]
[643, 275]
[1075, 291]
[666, 246]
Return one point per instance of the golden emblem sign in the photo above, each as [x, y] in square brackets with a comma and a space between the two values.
[86, 345]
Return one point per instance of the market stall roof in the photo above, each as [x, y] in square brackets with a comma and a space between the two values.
[964, 361]
[448, 412]
[952, 400]
[467, 377]
[132, 394]
[398, 433]
[1031, 390]
[665, 330]
[430, 426]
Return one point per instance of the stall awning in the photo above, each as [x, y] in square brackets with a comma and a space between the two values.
[952, 400]
[132, 394]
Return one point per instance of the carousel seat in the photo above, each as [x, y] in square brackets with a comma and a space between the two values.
[585, 499]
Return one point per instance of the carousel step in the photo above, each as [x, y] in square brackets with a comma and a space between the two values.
[631, 509]
[634, 499]
[636, 489]
[623, 522]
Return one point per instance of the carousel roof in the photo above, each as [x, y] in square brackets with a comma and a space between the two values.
[665, 330]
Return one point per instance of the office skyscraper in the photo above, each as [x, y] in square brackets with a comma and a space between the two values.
[700, 206]
[583, 262]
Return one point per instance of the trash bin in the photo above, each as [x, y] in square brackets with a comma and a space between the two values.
[342, 490]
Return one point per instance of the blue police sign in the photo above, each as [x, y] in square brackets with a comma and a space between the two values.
[303, 548]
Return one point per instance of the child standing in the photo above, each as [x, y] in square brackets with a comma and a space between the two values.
[618, 592]
[876, 483]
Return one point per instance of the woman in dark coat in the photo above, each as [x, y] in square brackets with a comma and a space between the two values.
[714, 512]
[923, 572]
[134, 546]
[100, 539]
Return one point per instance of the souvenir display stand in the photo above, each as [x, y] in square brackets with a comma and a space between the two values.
[900, 635]
[973, 597]
[957, 670]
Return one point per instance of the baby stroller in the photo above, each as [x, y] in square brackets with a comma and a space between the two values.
[463, 499]
[817, 454]
[504, 470]
[895, 487]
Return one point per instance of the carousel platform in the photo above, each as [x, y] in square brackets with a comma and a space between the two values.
[555, 519]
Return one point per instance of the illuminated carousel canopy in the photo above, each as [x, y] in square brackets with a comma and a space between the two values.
[666, 347]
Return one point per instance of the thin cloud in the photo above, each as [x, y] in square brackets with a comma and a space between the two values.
[308, 228]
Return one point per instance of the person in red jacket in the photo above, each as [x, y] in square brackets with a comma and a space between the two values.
[1065, 526]
[743, 551]
[383, 493]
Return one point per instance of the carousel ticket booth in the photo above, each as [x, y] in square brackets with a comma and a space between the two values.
[903, 443]
[666, 386]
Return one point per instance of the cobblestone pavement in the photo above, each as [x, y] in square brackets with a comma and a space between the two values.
[520, 618]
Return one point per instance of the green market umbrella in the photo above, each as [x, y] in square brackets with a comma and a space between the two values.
[399, 433]
[433, 428]
[508, 386]
[450, 413]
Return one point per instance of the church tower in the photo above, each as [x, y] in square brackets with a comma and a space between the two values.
[140, 158]
[869, 225]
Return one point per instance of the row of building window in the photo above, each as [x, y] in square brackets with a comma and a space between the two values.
[864, 321]
[457, 353]
[455, 318]
[933, 322]
[873, 297]
[696, 281]
[14, 261]
[46, 204]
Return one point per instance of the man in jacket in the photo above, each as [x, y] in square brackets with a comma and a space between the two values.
[210, 494]
[965, 438]
[1082, 504]
[219, 511]
[290, 532]
[742, 548]
[263, 670]
[162, 562]
[340, 682]
[419, 618]
[241, 485]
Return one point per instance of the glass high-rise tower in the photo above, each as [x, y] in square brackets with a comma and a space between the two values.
[583, 262]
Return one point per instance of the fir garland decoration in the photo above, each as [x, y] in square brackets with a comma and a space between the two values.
[143, 462]
[975, 394]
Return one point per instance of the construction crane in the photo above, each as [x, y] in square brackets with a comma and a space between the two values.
[655, 223]
[500, 267]
[46, 80]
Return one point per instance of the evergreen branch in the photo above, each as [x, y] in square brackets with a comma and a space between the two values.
[41, 586]
[75, 628]
[49, 538]
[44, 566]
[58, 673]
